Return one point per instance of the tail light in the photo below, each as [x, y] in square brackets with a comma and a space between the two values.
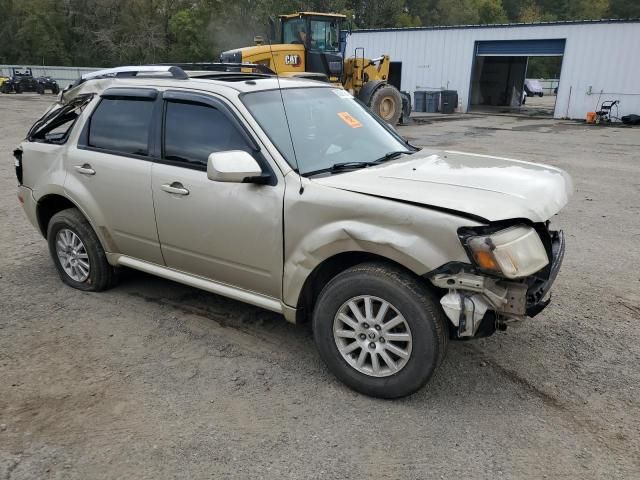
[17, 154]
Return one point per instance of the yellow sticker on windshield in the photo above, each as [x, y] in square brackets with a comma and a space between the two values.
[349, 120]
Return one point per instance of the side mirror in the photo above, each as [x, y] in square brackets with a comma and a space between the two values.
[236, 166]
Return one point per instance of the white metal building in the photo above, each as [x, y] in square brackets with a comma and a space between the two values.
[601, 59]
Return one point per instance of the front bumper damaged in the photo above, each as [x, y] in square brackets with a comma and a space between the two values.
[537, 292]
[474, 299]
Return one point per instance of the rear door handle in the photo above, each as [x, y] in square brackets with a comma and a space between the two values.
[85, 169]
[176, 188]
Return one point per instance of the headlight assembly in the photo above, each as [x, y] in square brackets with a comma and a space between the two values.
[514, 252]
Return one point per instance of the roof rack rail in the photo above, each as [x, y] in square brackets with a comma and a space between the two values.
[162, 71]
[224, 67]
[228, 76]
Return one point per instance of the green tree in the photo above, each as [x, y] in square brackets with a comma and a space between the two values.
[458, 12]
[40, 34]
[533, 13]
[406, 20]
[8, 27]
[491, 11]
[587, 10]
[624, 9]
[115, 32]
[513, 8]
[378, 13]
[187, 41]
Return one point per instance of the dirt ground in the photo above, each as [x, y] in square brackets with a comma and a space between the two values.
[154, 380]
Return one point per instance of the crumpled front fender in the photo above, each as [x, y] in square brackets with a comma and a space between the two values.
[324, 222]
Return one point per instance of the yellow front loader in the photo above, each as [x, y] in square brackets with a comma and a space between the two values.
[309, 46]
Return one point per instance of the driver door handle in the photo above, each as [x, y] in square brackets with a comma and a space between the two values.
[176, 188]
[85, 169]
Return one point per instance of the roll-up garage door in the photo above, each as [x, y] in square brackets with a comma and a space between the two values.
[521, 48]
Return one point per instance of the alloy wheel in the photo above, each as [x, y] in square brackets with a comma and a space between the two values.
[72, 255]
[372, 336]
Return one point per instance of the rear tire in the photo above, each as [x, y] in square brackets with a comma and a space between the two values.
[386, 102]
[413, 310]
[77, 253]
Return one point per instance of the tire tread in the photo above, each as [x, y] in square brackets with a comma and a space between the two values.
[399, 280]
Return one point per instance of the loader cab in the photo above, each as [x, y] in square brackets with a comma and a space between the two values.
[320, 35]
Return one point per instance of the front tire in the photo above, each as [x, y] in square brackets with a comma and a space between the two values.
[77, 253]
[379, 330]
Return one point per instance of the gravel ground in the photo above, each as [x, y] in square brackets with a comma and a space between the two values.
[153, 379]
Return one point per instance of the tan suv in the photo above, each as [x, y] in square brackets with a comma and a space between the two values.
[290, 195]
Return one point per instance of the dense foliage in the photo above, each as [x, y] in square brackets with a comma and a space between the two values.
[110, 32]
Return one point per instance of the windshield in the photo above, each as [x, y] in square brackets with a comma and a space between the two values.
[328, 127]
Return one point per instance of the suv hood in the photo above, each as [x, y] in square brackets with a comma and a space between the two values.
[482, 186]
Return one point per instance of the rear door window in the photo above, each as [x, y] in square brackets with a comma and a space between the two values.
[193, 131]
[121, 126]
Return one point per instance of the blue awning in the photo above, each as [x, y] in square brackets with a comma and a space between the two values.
[521, 48]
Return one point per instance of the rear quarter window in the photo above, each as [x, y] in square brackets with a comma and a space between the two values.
[57, 123]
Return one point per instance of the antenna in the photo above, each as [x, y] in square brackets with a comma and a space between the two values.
[284, 108]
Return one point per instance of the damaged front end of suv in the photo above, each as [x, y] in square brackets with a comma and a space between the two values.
[509, 278]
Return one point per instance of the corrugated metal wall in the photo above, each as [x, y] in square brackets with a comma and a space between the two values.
[598, 57]
[63, 75]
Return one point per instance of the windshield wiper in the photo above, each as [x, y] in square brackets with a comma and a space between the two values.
[354, 165]
[390, 156]
[349, 165]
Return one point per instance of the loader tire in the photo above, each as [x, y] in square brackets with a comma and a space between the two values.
[386, 102]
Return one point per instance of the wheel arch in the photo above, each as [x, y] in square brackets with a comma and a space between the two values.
[48, 206]
[328, 269]
[52, 203]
